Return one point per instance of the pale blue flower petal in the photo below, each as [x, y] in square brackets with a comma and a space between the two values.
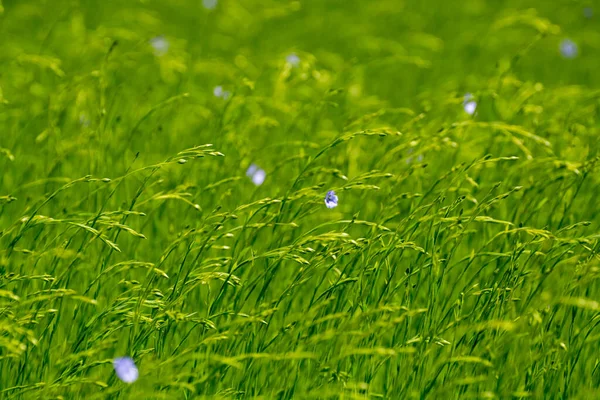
[259, 177]
[209, 4]
[125, 369]
[293, 59]
[256, 174]
[470, 107]
[84, 120]
[160, 45]
[569, 48]
[331, 200]
[220, 93]
[469, 104]
[251, 170]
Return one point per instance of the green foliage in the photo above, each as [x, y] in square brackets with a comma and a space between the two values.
[461, 261]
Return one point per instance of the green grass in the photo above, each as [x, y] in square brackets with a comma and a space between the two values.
[461, 262]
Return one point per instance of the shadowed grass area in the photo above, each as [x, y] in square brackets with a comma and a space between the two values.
[461, 140]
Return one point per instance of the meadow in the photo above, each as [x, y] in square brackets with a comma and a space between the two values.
[165, 196]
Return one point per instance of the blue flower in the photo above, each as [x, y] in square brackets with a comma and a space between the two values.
[219, 92]
[160, 45]
[126, 369]
[251, 170]
[331, 200]
[84, 120]
[568, 48]
[259, 177]
[209, 4]
[293, 59]
[469, 104]
[410, 159]
[588, 12]
[257, 174]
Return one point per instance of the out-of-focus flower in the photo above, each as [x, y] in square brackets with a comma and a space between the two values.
[219, 92]
[259, 177]
[160, 45]
[588, 12]
[410, 158]
[125, 369]
[209, 4]
[331, 200]
[469, 104]
[251, 170]
[293, 59]
[256, 174]
[568, 48]
[84, 120]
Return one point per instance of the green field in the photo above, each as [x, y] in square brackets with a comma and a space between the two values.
[461, 139]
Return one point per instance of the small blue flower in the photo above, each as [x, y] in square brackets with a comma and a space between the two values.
[259, 177]
[209, 4]
[125, 369]
[160, 45]
[251, 170]
[256, 174]
[469, 104]
[410, 158]
[588, 12]
[84, 120]
[219, 92]
[293, 59]
[331, 200]
[568, 48]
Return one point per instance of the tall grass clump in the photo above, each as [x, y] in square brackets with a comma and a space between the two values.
[299, 200]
